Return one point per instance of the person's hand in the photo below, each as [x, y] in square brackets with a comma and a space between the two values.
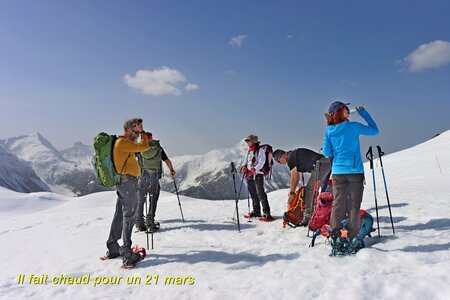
[173, 173]
[244, 169]
[359, 106]
[251, 172]
[291, 196]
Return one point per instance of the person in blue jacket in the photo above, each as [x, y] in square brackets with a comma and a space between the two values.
[341, 144]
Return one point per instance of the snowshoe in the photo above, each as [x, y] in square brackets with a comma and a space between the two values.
[109, 255]
[138, 254]
[253, 214]
[267, 218]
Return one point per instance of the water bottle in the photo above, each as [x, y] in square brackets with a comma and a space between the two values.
[353, 111]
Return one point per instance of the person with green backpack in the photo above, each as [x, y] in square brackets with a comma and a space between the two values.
[150, 162]
[124, 160]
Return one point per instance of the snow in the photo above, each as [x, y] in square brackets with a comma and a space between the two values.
[49, 234]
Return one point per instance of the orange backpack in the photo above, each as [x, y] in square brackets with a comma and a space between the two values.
[294, 215]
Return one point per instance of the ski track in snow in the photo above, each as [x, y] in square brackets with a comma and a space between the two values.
[41, 236]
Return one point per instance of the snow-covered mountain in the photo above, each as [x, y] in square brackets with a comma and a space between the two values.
[17, 174]
[61, 174]
[209, 176]
[44, 234]
[205, 176]
[79, 153]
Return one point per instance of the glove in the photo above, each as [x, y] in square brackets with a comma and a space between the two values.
[250, 173]
[244, 169]
[291, 197]
[173, 173]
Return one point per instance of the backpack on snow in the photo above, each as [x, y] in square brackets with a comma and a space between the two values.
[294, 215]
[365, 228]
[322, 213]
[103, 161]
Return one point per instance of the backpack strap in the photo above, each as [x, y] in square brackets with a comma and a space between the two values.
[123, 167]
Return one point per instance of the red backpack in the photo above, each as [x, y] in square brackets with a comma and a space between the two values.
[322, 212]
[267, 168]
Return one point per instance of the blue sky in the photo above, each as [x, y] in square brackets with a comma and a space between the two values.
[204, 74]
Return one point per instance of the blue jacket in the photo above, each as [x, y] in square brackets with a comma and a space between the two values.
[341, 142]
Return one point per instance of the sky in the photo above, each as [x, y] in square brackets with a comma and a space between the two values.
[205, 74]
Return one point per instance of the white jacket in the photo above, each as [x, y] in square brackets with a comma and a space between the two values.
[259, 162]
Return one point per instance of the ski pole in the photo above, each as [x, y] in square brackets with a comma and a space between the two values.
[369, 156]
[146, 229]
[380, 154]
[316, 190]
[248, 201]
[239, 193]
[237, 201]
[179, 203]
[233, 172]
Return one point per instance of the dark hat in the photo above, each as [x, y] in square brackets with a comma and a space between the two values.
[335, 106]
[252, 138]
[277, 154]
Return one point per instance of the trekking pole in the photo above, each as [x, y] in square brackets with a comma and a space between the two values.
[146, 229]
[248, 202]
[380, 154]
[179, 203]
[236, 199]
[148, 212]
[239, 194]
[369, 156]
[316, 190]
[233, 172]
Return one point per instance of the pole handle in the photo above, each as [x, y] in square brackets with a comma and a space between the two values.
[369, 156]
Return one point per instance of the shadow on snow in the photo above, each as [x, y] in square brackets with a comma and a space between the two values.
[194, 257]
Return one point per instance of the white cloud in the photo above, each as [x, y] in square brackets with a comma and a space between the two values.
[347, 82]
[191, 87]
[428, 56]
[230, 72]
[289, 36]
[237, 41]
[157, 82]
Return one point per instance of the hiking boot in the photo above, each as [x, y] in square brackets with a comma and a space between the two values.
[153, 227]
[357, 244]
[255, 214]
[141, 227]
[150, 221]
[268, 217]
[111, 255]
[131, 260]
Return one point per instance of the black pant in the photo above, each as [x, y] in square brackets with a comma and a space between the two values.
[124, 218]
[256, 189]
[348, 193]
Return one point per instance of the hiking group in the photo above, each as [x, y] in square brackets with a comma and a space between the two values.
[133, 164]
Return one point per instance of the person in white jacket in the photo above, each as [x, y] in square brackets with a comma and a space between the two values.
[253, 163]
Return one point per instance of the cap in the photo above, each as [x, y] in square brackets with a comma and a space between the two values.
[252, 138]
[277, 154]
[335, 106]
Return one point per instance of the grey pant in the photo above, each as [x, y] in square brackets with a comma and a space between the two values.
[124, 217]
[148, 183]
[348, 193]
[324, 172]
[256, 189]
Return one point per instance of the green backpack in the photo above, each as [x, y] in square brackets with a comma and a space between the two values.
[150, 160]
[105, 170]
